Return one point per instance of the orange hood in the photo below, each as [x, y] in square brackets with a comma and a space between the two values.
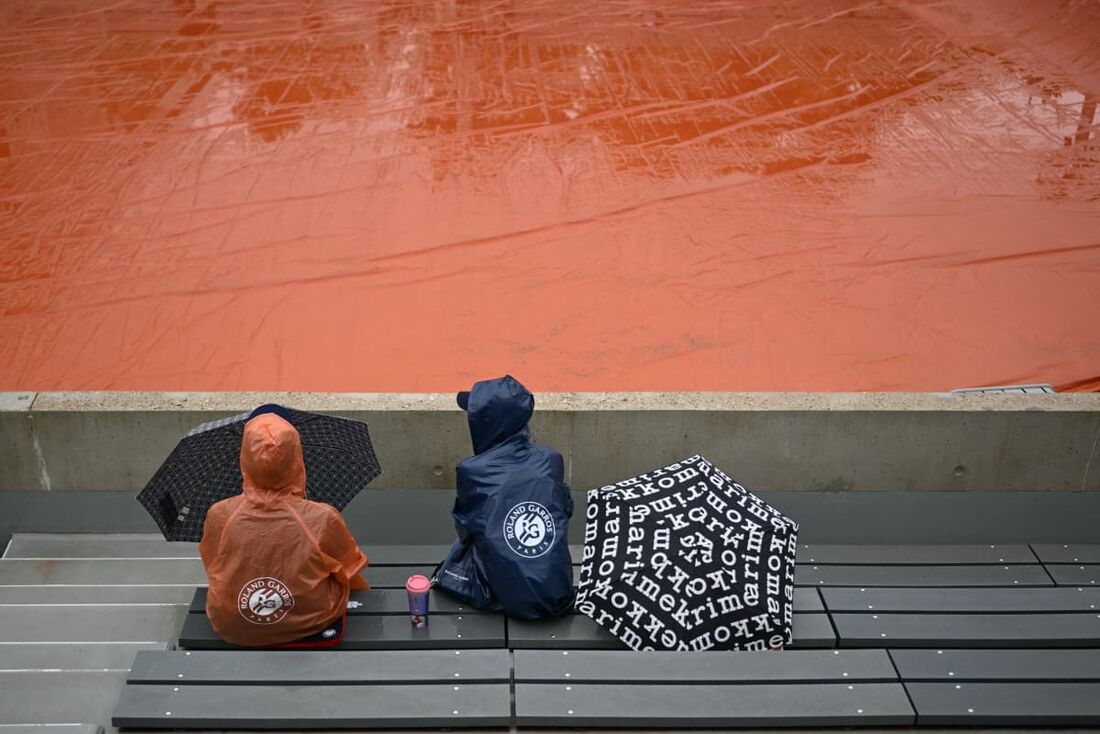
[271, 459]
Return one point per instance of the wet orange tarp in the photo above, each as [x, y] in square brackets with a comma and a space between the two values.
[620, 195]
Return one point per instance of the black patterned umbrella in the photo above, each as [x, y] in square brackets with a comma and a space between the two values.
[205, 468]
[685, 558]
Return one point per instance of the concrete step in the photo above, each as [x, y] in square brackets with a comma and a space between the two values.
[51, 729]
[108, 545]
[59, 697]
[71, 656]
[102, 572]
[66, 594]
[91, 623]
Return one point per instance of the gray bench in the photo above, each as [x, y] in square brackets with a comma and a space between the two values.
[1076, 553]
[976, 617]
[576, 631]
[922, 575]
[944, 629]
[1075, 574]
[915, 555]
[340, 689]
[1002, 687]
[379, 622]
[714, 689]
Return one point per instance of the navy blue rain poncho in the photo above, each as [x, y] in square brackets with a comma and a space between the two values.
[511, 513]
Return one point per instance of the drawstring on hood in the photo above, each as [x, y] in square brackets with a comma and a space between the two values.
[271, 459]
[497, 410]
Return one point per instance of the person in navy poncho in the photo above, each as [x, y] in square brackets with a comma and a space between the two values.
[511, 513]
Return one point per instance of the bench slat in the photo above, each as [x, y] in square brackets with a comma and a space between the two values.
[393, 577]
[91, 623]
[1009, 704]
[156, 571]
[379, 632]
[792, 704]
[313, 707]
[585, 666]
[968, 630]
[808, 599]
[97, 656]
[405, 555]
[1072, 553]
[576, 632]
[812, 631]
[907, 555]
[394, 601]
[301, 667]
[995, 665]
[989, 600]
[1075, 575]
[863, 576]
[374, 601]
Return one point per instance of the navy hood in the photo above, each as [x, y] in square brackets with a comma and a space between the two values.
[497, 410]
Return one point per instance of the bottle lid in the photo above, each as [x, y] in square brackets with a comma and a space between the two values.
[418, 584]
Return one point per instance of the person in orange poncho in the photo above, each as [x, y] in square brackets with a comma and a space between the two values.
[280, 566]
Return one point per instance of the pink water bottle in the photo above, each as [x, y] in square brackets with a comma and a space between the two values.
[417, 588]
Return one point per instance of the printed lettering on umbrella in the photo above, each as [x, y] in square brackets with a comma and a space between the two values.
[685, 558]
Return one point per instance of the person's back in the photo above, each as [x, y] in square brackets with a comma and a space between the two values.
[280, 566]
[512, 511]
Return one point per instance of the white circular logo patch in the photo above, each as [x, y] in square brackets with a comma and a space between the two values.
[529, 529]
[265, 600]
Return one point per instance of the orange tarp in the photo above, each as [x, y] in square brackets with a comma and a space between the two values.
[628, 195]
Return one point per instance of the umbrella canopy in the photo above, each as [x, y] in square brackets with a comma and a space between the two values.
[685, 558]
[205, 468]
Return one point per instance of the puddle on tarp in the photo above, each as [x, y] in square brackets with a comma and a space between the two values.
[630, 195]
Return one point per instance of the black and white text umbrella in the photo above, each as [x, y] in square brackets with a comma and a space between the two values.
[685, 558]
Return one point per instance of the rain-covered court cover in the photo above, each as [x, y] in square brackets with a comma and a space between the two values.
[406, 195]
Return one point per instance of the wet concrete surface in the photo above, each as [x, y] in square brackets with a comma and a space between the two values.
[628, 195]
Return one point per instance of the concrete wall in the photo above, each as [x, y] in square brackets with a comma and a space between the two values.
[770, 441]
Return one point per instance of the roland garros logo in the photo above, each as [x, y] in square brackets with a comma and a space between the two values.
[529, 529]
[265, 600]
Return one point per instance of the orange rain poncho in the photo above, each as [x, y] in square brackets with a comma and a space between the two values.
[280, 566]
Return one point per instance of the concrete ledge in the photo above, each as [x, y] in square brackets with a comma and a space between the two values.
[18, 455]
[771, 441]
